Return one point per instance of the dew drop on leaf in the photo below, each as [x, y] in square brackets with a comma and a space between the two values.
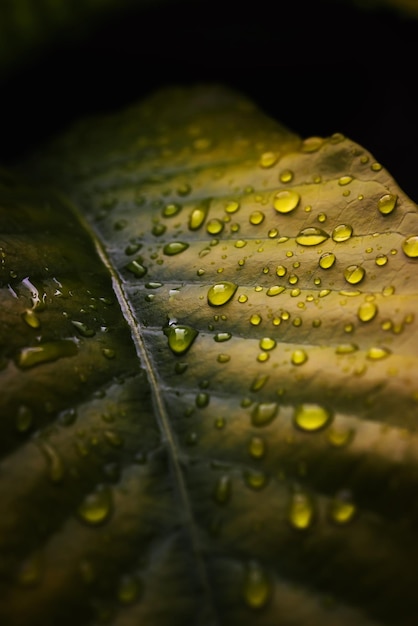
[286, 176]
[342, 232]
[256, 218]
[257, 447]
[327, 260]
[129, 589]
[342, 509]
[136, 268]
[257, 586]
[344, 180]
[175, 247]
[281, 271]
[286, 201]
[221, 293]
[381, 260]
[301, 511]
[376, 353]
[180, 338]
[255, 479]
[311, 417]
[31, 319]
[264, 413]
[96, 507]
[83, 329]
[49, 351]
[354, 274]
[367, 311]
[172, 209]
[275, 290]
[387, 203]
[202, 400]
[198, 215]
[268, 159]
[222, 491]
[267, 343]
[299, 357]
[311, 236]
[410, 246]
[214, 227]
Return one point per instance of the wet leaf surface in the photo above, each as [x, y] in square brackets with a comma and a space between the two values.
[217, 422]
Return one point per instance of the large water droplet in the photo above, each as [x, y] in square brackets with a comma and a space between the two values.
[221, 337]
[267, 343]
[268, 159]
[275, 290]
[299, 357]
[136, 268]
[286, 201]
[327, 260]
[198, 215]
[376, 353]
[264, 413]
[367, 311]
[180, 338]
[49, 351]
[410, 246]
[311, 417]
[96, 507]
[354, 274]
[311, 236]
[214, 226]
[256, 218]
[175, 247]
[257, 586]
[342, 232]
[221, 293]
[387, 203]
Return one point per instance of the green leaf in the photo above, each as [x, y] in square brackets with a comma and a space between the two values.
[236, 442]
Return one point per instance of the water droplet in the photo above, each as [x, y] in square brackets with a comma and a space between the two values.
[286, 201]
[259, 382]
[180, 338]
[346, 348]
[377, 353]
[268, 159]
[198, 215]
[293, 279]
[281, 271]
[312, 144]
[275, 290]
[267, 343]
[311, 417]
[322, 218]
[49, 351]
[367, 311]
[24, 418]
[83, 329]
[129, 589]
[342, 232]
[255, 479]
[172, 209]
[264, 413]
[256, 217]
[257, 447]
[224, 336]
[214, 227]
[387, 203]
[301, 511]
[202, 400]
[31, 319]
[345, 180]
[242, 298]
[96, 507]
[257, 586]
[339, 437]
[342, 509]
[223, 358]
[299, 357]
[222, 491]
[354, 274]
[136, 268]
[221, 293]
[183, 189]
[159, 229]
[232, 207]
[381, 260]
[255, 319]
[175, 247]
[55, 464]
[327, 260]
[311, 236]
[286, 176]
[410, 246]
[113, 438]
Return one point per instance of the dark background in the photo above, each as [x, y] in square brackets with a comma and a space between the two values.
[318, 67]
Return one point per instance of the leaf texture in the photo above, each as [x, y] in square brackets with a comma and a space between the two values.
[236, 442]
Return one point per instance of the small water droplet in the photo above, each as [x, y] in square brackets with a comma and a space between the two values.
[257, 586]
[31, 319]
[255, 478]
[367, 311]
[242, 298]
[281, 271]
[376, 353]
[286, 176]
[202, 400]
[301, 511]
[268, 159]
[24, 418]
[257, 217]
[96, 507]
[221, 337]
[354, 274]
[232, 207]
[221, 293]
[159, 229]
[175, 247]
[410, 246]
[346, 348]
[180, 338]
[49, 351]
[259, 382]
[275, 290]
[311, 417]
[222, 491]
[312, 144]
[214, 227]
[342, 509]
[83, 329]
[264, 413]
[255, 319]
[342, 232]
[273, 232]
[381, 260]
[299, 357]
[339, 437]
[257, 447]
[54, 461]
[327, 260]
[345, 180]
[136, 268]
[172, 209]
[286, 201]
